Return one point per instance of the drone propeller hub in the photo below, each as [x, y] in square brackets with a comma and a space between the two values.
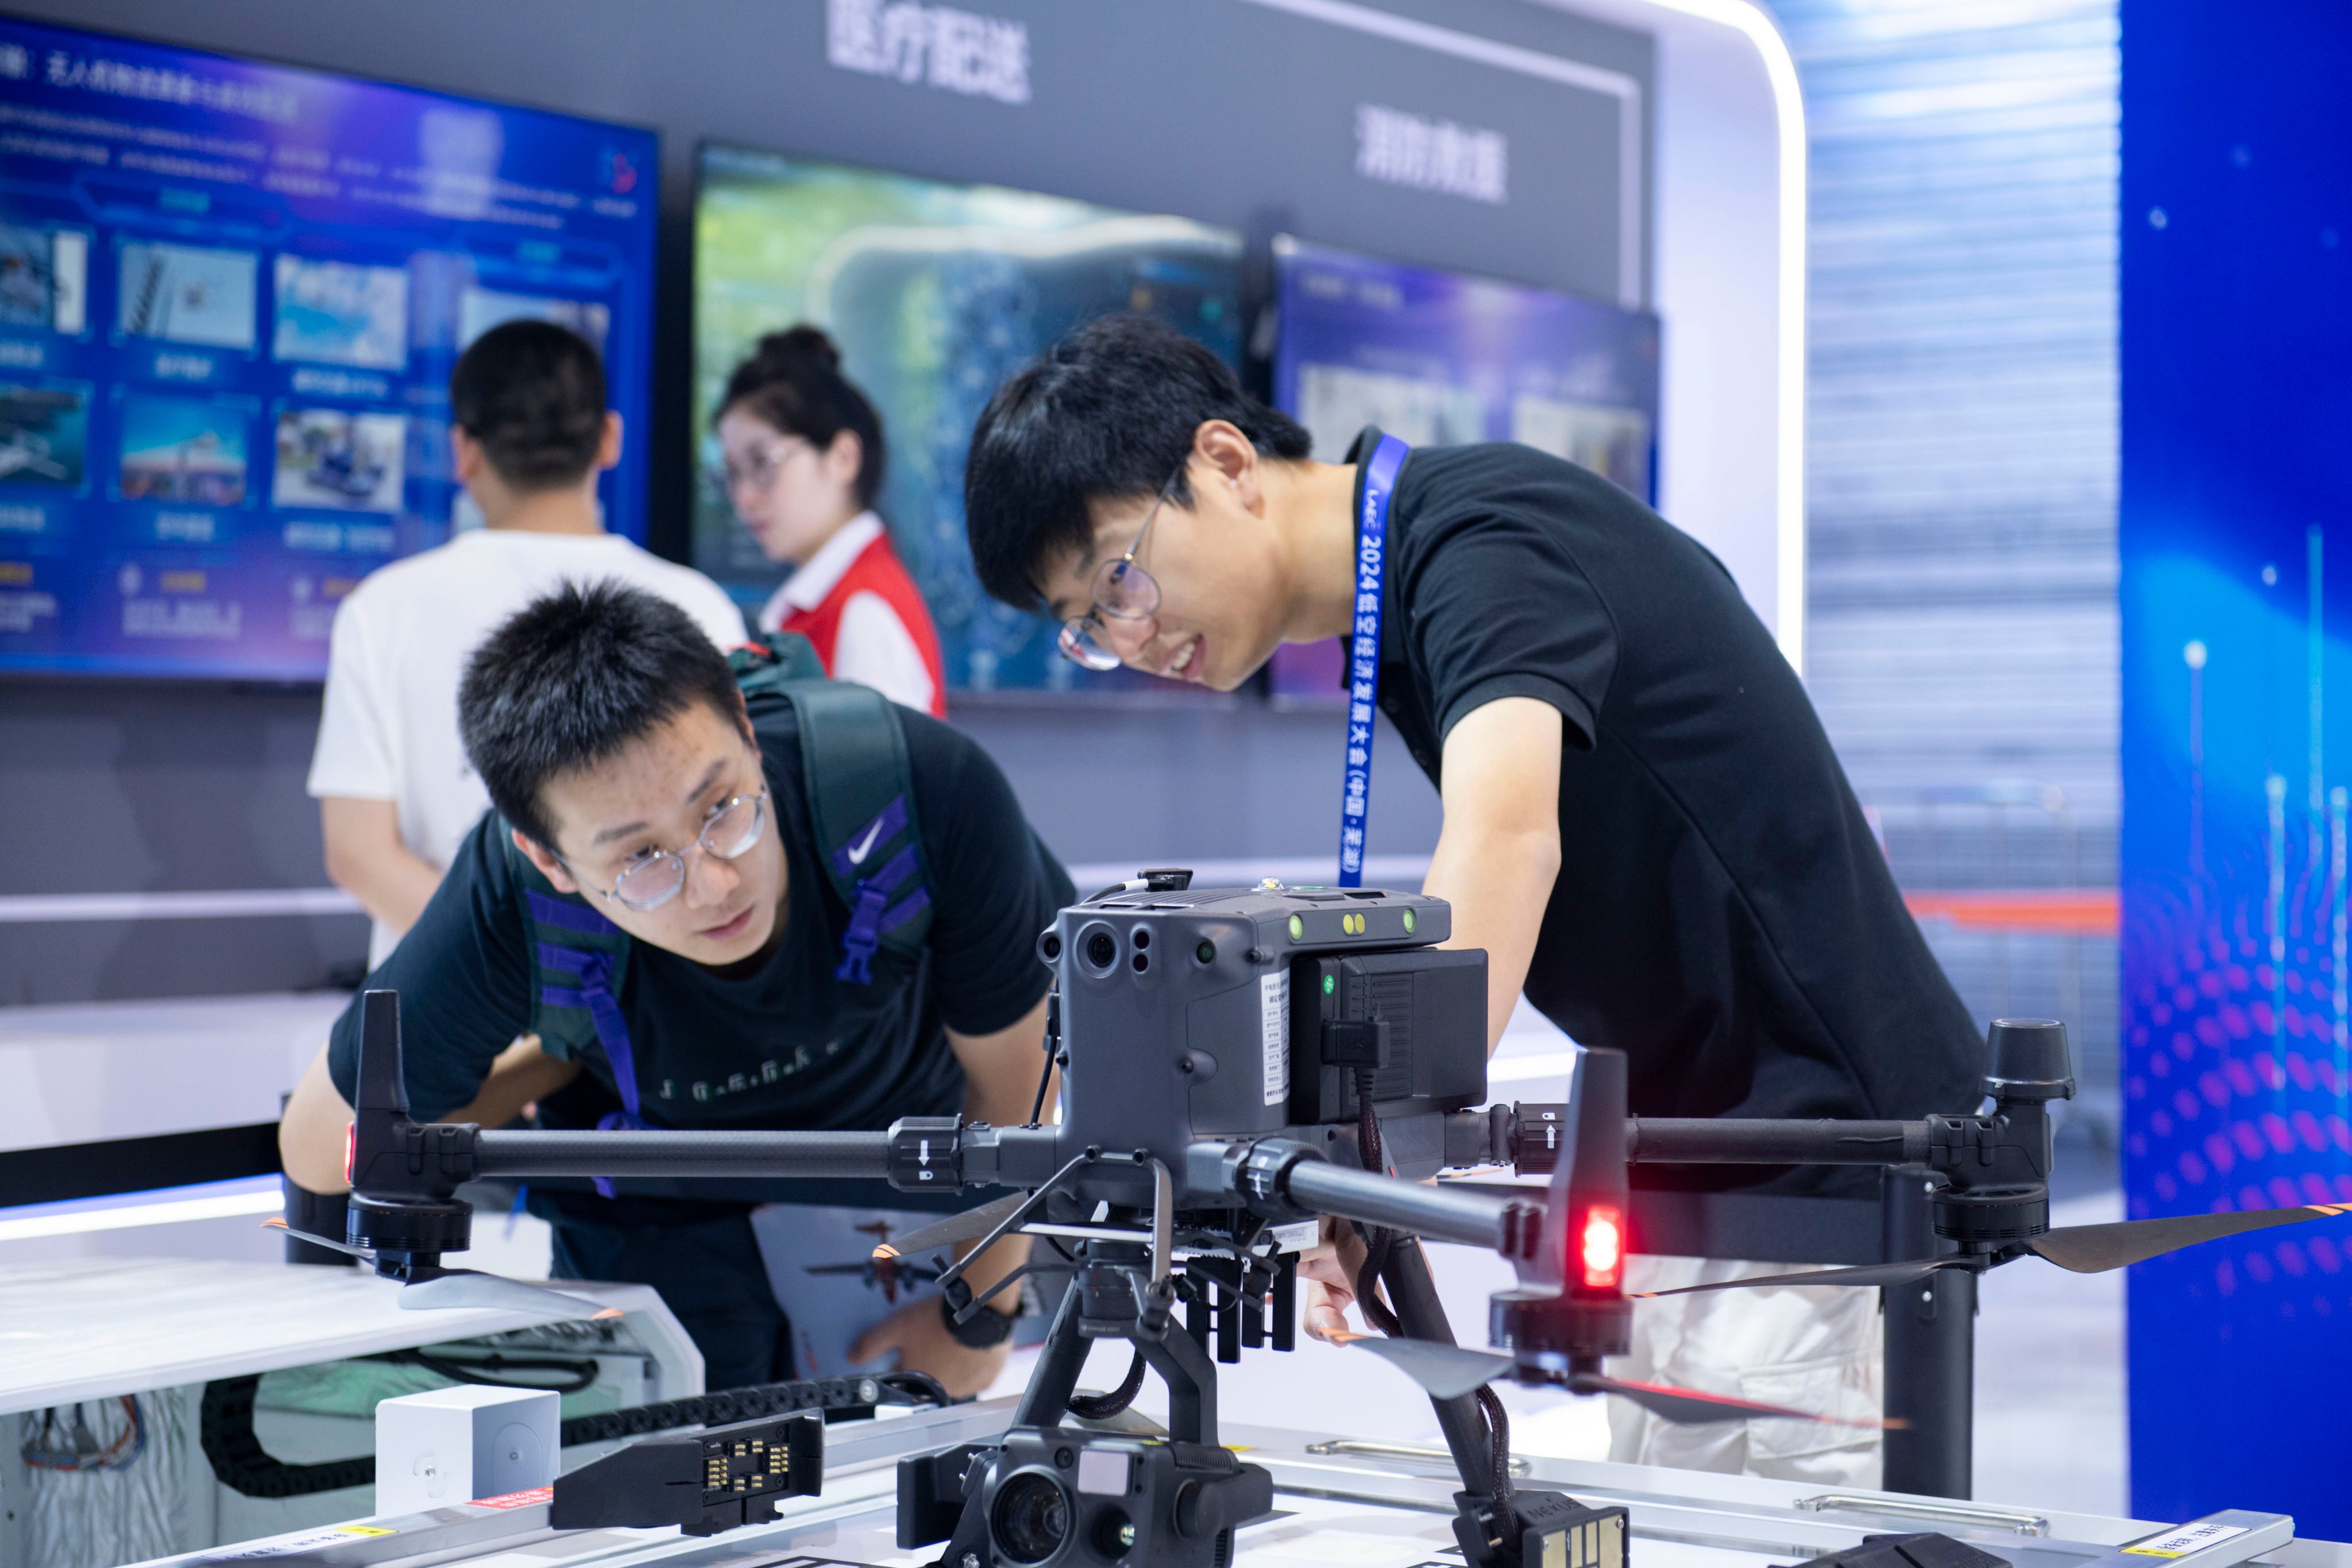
[1544, 1328]
[408, 1230]
[1990, 1219]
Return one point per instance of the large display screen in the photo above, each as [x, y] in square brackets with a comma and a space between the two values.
[1439, 358]
[230, 296]
[934, 294]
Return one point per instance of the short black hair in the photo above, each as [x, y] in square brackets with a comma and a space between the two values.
[532, 393]
[1107, 413]
[569, 679]
[792, 384]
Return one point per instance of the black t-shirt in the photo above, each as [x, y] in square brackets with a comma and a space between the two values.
[787, 1046]
[1722, 915]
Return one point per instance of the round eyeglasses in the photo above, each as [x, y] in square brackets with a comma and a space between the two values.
[653, 877]
[757, 472]
[1121, 590]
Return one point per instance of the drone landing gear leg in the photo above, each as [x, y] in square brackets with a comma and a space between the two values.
[1177, 1357]
[1059, 1362]
[1413, 1293]
[1929, 1330]
[1497, 1525]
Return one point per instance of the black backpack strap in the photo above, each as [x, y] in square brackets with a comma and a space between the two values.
[763, 666]
[861, 798]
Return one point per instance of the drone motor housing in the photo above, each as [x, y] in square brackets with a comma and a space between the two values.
[1234, 1013]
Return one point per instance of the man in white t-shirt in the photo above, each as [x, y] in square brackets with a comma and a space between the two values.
[530, 433]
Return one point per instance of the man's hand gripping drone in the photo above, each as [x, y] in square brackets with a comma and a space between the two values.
[1237, 1063]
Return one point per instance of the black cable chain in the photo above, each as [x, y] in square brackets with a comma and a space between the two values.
[243, 1465]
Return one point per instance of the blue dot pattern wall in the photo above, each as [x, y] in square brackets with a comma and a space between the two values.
[2236, 543]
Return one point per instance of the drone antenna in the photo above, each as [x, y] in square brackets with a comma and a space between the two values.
[381, 1082]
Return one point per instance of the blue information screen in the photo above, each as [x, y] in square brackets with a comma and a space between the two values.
[230, 298]
[1442, 359]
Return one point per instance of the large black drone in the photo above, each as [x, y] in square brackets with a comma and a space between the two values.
[1237, 1063]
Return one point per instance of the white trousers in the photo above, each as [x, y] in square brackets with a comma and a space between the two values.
[1812, 1349]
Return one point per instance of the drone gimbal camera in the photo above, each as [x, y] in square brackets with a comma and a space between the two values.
[1238, 1063]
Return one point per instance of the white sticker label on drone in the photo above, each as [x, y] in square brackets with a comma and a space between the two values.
[286, 1546]
[2189, 1537]
[1296, 1237]
[1274, 1033]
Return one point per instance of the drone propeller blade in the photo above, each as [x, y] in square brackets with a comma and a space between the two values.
[1865, 1274]
[1444, 1370]
[2096, 1248]
[467, 1288]
[273, 1223]
[969, 1226]
[1690, 1408]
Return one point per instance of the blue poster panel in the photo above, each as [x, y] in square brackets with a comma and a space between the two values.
[2236, 557]
[1438, 359]
[230, 296]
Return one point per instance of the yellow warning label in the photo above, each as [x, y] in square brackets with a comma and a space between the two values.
[2189, 1537]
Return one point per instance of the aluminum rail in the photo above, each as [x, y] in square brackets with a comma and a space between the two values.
[1742, 1140]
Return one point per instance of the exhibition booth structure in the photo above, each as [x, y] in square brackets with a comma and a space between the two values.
[241, 250]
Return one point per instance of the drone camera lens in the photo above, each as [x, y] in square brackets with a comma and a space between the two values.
[1206, 953]
[1113, 1533]
[1143, 936]
[1050, 945]
[1142, 962]
[1102, 951]
[1032, 1518]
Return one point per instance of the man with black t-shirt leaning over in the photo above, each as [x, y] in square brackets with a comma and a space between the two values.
[659, 894]
[1644, 825]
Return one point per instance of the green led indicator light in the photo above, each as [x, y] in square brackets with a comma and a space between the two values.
[1408, 922]
[1331, 983]
[1297, 929]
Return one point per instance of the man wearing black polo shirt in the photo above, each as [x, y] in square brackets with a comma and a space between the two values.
[1644, 825]
[634, 789]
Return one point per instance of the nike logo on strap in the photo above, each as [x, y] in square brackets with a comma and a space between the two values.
[859, 852]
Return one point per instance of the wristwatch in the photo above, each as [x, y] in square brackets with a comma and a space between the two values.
[985, 1330]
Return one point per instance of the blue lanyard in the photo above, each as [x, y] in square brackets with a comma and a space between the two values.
[1364, 652]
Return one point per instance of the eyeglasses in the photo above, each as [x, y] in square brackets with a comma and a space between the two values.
[1121, 590]
[759, 469]
[653, 877]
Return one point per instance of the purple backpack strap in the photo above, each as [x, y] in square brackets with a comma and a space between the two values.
[592, 971]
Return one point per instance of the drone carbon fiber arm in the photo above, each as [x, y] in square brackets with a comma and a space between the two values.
[398, 1163]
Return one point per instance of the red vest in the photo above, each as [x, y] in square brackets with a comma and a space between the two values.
[877, 571]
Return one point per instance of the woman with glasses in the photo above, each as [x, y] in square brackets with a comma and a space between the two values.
[802, 460]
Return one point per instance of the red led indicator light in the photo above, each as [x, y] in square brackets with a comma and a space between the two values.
[1602, 1246]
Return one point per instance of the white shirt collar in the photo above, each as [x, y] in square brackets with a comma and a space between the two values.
[806, 589]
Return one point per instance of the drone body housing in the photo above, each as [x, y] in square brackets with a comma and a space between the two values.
[1200, 1014]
